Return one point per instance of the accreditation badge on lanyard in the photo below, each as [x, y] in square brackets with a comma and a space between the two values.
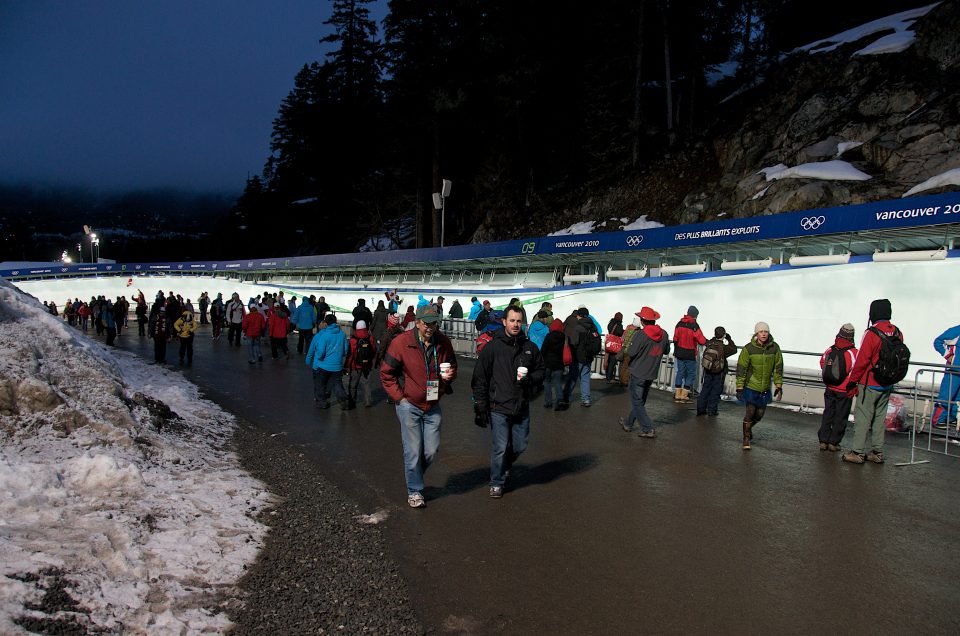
[432, 386]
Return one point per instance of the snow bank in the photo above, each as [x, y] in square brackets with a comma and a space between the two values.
[899, 40]
[143, 528]
[586, 227]
[834, 170]
[950, 177]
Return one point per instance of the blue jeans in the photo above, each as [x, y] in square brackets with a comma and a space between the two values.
[709, 399]
[553, 386]
[686, 373]
[508, 435]
[321, 379]
[582, 371]
[254, 344]
[420, 433]
[639, 389]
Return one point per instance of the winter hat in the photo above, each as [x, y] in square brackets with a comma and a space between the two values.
[583, 312]
[330, 319]
[361, 324]
[880, 310]
[719, 332]
[692, 311]
[761, 326]
[647, 313]
[486, 303]
[428, 313]
[393, 320]
[846, 332]
[556, 325]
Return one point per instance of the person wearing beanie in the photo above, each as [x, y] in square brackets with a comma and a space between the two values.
[615, 335]
[645, 354]
[715, 369]
[946, 406]
[837, 364]
[686, 337]
[581, 332]
[874, 395]
[362, 312]
[253, 326]
[759, 364]
[552, 352]
[363, 352]
[540, 327]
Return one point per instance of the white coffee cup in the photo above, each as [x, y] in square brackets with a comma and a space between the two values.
[521, 373]
[445, 369]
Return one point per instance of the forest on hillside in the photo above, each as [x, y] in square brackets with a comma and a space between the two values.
[523, 106]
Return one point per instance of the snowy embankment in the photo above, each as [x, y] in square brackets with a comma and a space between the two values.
[121, 507]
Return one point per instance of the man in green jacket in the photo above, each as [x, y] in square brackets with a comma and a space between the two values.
[760, 363]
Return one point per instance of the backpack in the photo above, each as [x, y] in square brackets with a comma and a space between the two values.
[835, 366]
[364, 353]
[482, 319]
[612, 343]
[590, 345]
[893, 360]
[713, 359]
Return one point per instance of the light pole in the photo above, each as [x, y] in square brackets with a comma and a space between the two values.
[94, 248]
[440, 203]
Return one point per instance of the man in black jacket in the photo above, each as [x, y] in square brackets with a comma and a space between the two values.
[508, 369]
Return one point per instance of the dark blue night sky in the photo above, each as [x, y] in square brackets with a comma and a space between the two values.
[116, 95]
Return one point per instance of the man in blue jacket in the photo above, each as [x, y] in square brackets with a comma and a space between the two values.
[305, 319]
[325, 356]
[946, 409]
[475, 308]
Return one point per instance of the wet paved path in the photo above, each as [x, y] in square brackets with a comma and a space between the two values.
[603, 532]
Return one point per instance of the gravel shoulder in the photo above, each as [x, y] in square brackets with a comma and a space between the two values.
[321, 569]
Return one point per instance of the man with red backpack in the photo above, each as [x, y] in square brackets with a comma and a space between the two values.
[360, 361]
[837, 364]
[882, 358]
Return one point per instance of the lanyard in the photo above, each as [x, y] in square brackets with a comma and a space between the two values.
[426, 359]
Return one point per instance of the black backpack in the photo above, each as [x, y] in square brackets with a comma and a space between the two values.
[835, 366]
[590, 343]
[364, 355]
[893, 360]
[713, 359]
[482, 319]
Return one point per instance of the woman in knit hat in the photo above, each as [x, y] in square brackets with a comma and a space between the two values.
[614, 328]
[760, 363]
[837, 363]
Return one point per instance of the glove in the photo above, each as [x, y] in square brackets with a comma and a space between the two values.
[480, 419]
[851, 386]
[739, 395]
[778, 393]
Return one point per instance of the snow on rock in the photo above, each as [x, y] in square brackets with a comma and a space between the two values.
[584, 227]
[137, 524]
[641, 223]
[834, 170]
[899, 40]
[950, 177]
[844, 146]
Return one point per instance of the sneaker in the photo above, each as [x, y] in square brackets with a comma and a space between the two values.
[699, 413]
[823, 446]
[940, 425]
[416, 500]
[875, 457]
[833, 448]
[585, 404]
[648, 434]
[623, 425]
[496, 492]
[852, 457]
[548, 405]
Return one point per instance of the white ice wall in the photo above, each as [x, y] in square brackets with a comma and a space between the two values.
[804, 307]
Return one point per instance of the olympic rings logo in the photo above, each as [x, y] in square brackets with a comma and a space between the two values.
[812, 222]
[528, 248]
[634, 240]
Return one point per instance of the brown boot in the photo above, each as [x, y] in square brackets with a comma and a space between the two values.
[678, 395]
[685, 396]
[746, 435]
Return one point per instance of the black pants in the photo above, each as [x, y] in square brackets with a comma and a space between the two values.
[160, 349]
[303, 341]
[709, 399]
[234, 332]
[186, 347]
[836, 412]
[111, 335]
[278, 343]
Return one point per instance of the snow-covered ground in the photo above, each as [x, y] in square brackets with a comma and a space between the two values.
[142, 516]
[900, 40]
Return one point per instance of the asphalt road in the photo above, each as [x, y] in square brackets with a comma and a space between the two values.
[604, 532]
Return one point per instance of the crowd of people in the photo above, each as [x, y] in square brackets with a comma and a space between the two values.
[518, 359]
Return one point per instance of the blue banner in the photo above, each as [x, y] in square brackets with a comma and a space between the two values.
[879, 215]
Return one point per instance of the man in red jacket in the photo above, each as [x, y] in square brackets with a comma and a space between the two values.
[686, 337]
[872, 405]
[411, 375]
[837, 400]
